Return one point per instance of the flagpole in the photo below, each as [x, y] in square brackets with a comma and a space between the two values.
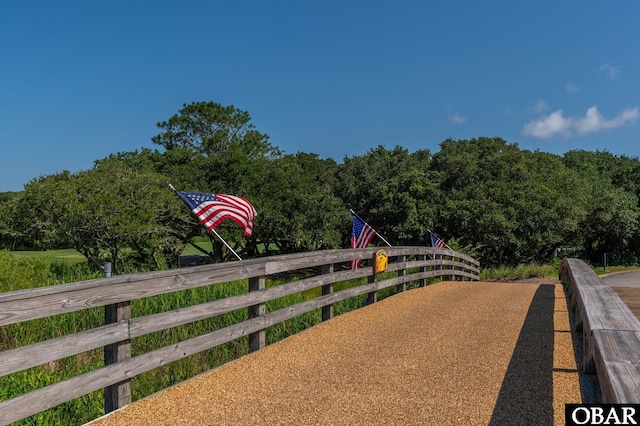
[216, 234]
[225, 243]
[445, 244]
[378, 234]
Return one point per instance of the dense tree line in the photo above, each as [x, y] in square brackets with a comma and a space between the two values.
[485, 196]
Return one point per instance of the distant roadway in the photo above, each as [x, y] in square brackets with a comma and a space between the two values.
[623, 279]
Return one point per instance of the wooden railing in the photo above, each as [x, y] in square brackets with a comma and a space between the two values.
[410, 264]
[610, 333]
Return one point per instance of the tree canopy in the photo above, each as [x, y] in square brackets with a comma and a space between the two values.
[505, 204]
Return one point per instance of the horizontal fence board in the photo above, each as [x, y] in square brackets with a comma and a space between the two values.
[19, 359]
[162, 321]
[618, 366]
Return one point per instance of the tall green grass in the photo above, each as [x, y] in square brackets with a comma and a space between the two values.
[520, 271]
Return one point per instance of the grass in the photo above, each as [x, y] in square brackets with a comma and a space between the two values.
[613, 269]
[520, 271]
[68, 256]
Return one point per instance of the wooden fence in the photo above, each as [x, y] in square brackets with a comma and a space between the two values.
[410, 264]
[610, 333]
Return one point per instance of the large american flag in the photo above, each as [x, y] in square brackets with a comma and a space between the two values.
[361, 236]
[212, 209]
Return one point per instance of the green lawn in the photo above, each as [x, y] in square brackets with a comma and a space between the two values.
[69, 256]
[191, 250]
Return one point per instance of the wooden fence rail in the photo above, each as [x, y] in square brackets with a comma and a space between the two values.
[610, 333]
[411, 264]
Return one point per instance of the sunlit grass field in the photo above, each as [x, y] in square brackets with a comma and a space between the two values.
[68, 256]
[72, 257]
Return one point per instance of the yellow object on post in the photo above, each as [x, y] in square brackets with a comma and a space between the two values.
[380, 260]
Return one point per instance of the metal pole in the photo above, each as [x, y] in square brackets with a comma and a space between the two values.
[225, 243]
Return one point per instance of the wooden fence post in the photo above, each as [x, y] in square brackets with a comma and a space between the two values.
[327, 311]
[118, 395]
[372, 297]
[258, 339]
[438, 267]
[401, 287]
[423, 281]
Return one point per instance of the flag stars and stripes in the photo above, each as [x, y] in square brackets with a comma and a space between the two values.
[361, 236]
[436, 241]
[212, 209]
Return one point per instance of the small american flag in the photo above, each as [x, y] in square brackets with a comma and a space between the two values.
[361, 236]
[212, 209]
[437, 242]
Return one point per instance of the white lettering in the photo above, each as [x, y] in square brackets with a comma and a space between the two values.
[596, 415]
[613, 415]
[585, 414]
[627, 416]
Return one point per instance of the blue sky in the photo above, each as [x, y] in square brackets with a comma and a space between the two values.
[82, 79]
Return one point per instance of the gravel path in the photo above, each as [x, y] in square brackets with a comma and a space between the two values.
[458, 353]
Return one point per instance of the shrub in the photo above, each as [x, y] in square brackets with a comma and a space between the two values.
[19, 274]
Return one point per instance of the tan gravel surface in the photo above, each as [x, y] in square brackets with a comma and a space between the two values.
[453, 353]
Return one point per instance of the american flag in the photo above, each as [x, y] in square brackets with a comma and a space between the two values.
[212, 209]
[437, 242]
[361, 236]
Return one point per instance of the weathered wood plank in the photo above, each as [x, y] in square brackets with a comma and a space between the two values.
[258, 339]
[612, 313]
[327, 311]
[611, 332]
[119, 394]
[19, 359]
[617, 358]
[165, 320]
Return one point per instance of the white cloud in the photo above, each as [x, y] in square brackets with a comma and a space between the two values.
[594, 122]
[570, 88]
[610, 70]
[555, 123]
[547, 126]
[539, 107]
[457, 118]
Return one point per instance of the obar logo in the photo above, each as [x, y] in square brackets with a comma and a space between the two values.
[601, 414]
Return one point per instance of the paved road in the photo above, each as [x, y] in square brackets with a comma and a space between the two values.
[623, 279]
[452, 353]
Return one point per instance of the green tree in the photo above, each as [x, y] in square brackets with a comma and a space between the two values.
[298, 210]
[393, 190]
[214, 149]
[612, 190]
[515, 204]
[208, 128]
[111, 212]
